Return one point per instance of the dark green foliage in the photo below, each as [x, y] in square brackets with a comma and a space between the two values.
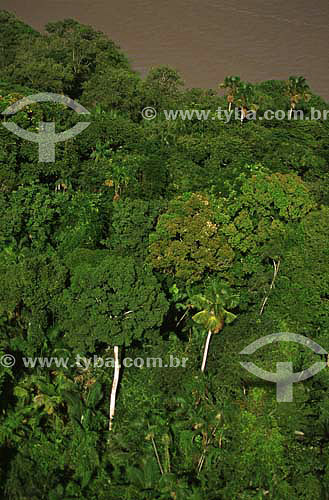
[13, 33]
[121, 242]
[112, 88]
[64, 58]
[118, 299]
[131, 223]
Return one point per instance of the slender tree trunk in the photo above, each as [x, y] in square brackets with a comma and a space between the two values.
[292, 108]
[205, 352]
[276, 266]
[114, 384]
[230, 100]
[243, 114]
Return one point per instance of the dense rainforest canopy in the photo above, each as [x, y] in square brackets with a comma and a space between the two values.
[151, 236]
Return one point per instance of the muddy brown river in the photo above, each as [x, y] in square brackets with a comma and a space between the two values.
[206, 39]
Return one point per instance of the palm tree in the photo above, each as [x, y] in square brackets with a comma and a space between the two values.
[231, 84]
[297, 89]
[119, 176]
[246, 94]
[213, 315]
[101, 151]
[119, 179]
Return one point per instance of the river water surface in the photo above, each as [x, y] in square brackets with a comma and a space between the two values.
[205, 39]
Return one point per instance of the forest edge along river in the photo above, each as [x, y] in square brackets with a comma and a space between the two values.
[205, 41]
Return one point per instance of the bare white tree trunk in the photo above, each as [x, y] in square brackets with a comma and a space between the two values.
[205, 352]
[114, 384]
[292, 108]
[242, 115]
